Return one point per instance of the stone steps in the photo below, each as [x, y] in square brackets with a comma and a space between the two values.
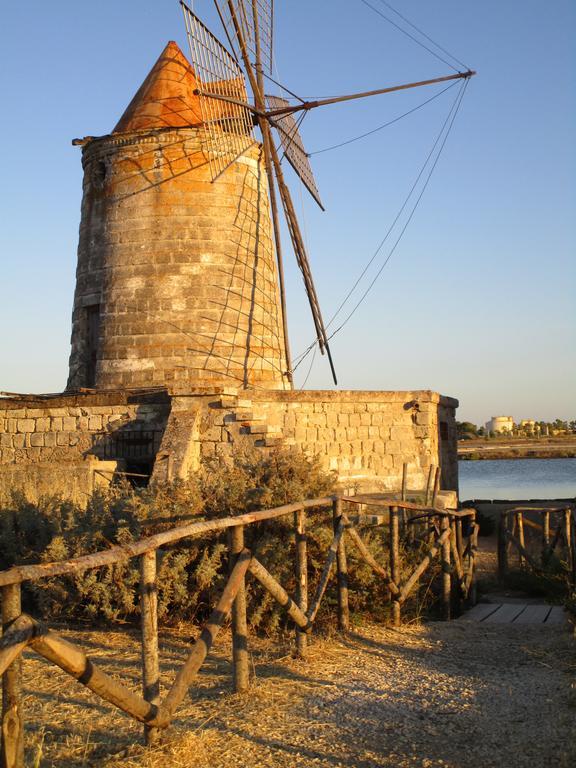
[251, 421]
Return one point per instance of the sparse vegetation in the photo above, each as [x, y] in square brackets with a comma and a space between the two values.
[193, 572]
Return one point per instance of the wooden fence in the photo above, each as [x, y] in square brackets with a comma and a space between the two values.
[539, 537]
[436, 533]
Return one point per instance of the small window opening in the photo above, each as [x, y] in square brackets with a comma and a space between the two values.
[100, 172]
[138, 472]
[444, 430]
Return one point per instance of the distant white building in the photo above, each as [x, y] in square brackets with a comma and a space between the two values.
[500, 424]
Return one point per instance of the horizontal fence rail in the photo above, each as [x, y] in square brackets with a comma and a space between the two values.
[431, 532]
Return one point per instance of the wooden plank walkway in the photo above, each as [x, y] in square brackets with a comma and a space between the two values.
[516, 613]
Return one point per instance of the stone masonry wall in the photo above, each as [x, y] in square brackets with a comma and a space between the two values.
[363, 437]
[177, 278]
[72, 445]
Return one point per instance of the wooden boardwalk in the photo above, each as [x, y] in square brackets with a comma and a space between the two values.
[517, 613]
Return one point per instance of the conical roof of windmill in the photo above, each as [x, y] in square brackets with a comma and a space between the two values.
[166, 98]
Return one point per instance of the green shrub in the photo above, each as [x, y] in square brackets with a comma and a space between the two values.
[192, 572]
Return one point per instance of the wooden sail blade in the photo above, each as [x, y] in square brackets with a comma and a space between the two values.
[307, 105]
[250, 15]
[301, 255]
[293, 147]
[226, 115]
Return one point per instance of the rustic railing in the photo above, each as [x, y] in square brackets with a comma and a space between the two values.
[535, 535]
[433, 532]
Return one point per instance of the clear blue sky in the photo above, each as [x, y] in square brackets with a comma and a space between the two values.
[477, 302]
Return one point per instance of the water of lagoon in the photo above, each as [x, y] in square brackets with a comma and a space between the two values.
[518, 479]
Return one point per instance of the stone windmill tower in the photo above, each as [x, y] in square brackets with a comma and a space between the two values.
[180, 276]
[177, 281]
[180, 294]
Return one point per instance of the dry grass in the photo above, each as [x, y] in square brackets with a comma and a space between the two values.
[71, 726]
[450, 695]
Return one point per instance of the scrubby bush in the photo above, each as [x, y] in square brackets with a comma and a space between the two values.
[189, 572]
[192, 572]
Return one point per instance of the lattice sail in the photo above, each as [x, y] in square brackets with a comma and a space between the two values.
[228, 120]
[247, 20]
[293, 147]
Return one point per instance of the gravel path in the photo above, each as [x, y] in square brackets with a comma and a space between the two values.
[456, 695]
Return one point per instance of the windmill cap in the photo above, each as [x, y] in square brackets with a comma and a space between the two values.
[166, 98]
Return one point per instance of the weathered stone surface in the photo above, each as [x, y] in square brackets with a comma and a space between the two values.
[180, 272]
[368, 455]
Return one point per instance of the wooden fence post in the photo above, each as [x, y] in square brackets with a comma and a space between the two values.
[455, 540]
[446, 570]
[473, 548]
[341, 569]
[520, 531]
[545, 536]
[395, 562]
[459, 538]
[404, 480]
[407, 530]
[239, 622]
[436, 486]
[503, 545]
[573, 545]
[301, 576]
[429, 485]
[149, 627]
[568, 533]
[12, 753]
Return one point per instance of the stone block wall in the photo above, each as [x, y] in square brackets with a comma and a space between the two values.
[364, 438]
[176, 279]
[68, 445]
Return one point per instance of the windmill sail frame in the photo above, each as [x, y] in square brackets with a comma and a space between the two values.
[248, 25]
[250, 15]
[293, 146]
[223, 96]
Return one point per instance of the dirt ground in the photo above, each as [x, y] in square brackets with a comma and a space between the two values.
[455, 695]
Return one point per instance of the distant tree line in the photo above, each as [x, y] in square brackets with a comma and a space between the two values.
[467, 430]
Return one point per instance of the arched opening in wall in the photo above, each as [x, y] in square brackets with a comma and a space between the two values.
[92, 325]
[100, 171]
[133, 448]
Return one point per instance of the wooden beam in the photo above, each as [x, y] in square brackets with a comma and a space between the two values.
[365, 94]
[15, 639]
[422, 566]
[149, 632]
[446, 570]
[369, 559]
[325, 577]
[121, 554]
[395, 561]
[12, 748]
[341, 568]
[280, 595]
[301, 574]
[202, 646]
[240, 658]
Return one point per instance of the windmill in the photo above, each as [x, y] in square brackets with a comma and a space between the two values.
[226, 77]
